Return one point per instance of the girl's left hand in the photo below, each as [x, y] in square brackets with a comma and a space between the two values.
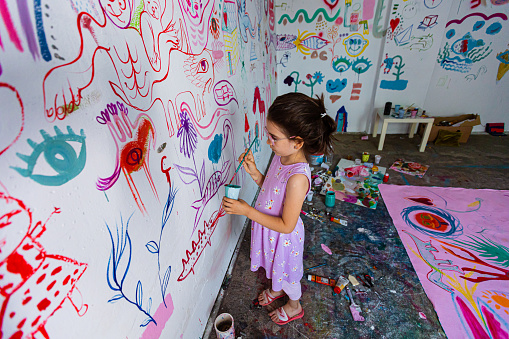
[232, 206]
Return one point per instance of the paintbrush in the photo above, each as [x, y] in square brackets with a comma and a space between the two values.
[252, 143]
[354, 308]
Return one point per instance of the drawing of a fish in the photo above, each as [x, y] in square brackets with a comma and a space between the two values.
[216, 180]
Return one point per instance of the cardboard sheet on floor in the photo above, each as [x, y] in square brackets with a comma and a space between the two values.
[355, 189]
[410, 168]
[458, 242]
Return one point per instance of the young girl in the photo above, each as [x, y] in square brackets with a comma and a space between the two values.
[297, 126]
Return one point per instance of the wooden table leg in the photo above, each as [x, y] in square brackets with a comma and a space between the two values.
[413, 129]
[382, 135]
[375, 127]
[425, 137]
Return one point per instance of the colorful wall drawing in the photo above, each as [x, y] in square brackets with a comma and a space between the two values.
[458, 246]
[123, 121]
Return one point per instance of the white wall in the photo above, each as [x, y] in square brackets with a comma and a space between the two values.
[97, 104]
[330, 57]
[416, 34]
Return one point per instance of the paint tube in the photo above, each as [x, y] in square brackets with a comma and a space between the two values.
[339, 221]
[321, 280]
[341, 284]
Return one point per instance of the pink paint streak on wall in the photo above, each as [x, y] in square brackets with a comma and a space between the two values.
[161, 316]
[368, 9]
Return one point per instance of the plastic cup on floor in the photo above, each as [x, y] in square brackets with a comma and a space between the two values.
[232, 191]
[224, 326]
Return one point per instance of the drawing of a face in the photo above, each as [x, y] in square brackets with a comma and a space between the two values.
[194, 9]
[355, 44]
[118, 11]
[409, 11]
[154, 8]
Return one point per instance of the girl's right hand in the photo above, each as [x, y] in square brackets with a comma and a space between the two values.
[249, 162]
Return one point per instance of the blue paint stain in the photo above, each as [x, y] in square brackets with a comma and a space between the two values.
[43, 44]
[396, 85]
[337, 85]
[215, 148]
[494, 28]
[478, 25]
[450, 33]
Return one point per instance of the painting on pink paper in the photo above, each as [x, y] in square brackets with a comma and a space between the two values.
[459, 248]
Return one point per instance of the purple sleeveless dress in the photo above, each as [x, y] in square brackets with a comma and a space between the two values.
[280, 254]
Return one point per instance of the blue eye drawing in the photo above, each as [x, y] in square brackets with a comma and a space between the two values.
[340, 64]
[59, 154]
[361, 65]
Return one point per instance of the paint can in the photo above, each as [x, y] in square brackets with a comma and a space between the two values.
[315, 159]
[401, 113]
[365, 157]
[232, 191]
[330, 198]
[396, 108]
[224, 326]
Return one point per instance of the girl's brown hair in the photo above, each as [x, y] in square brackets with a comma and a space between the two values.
[298, 115]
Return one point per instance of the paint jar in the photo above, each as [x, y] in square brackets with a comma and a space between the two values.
[401, 113]
[315, 159]
[357, 161]
[396, 108]
[232, 191]
[365, 157]
[377, 159]
[413, 113]
[310, 196]
[224, 326]
[386, 177]
[330, 198]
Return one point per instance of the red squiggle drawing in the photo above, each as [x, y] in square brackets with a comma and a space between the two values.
[22, 112]
[197, 248]
[261, 107]
[33, 283]
[134, 154]
[141, 60]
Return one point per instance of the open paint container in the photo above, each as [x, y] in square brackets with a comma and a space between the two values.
[232, 191]
[224, 326]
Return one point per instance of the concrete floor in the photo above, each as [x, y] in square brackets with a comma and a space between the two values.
[482, 162]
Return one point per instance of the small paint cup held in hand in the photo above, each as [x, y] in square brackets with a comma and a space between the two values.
[224, 326]
[377, 159]
[357, 161]
[232, 191]
[365, 157]
[309, 197]
[330, 198]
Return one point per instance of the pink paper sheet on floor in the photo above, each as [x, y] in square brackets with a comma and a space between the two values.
[458, 242]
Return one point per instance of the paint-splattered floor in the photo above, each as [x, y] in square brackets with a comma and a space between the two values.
[396, 307]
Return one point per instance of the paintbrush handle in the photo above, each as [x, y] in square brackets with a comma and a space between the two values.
[242, 161]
